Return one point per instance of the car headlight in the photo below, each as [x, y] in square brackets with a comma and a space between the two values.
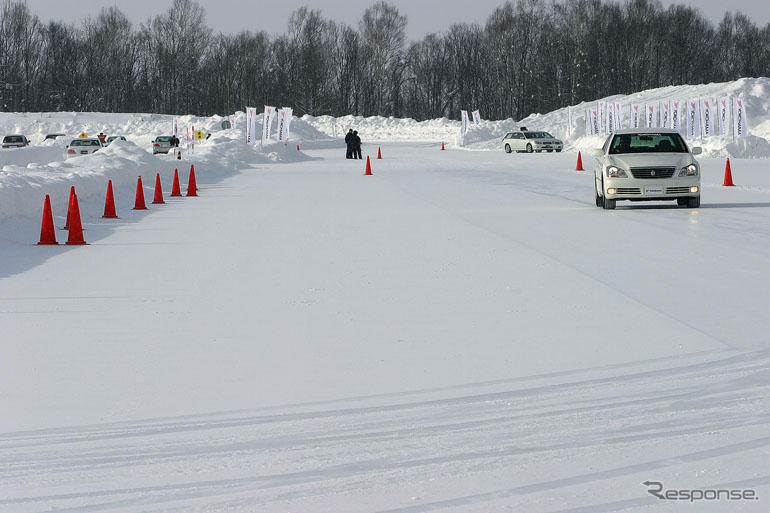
[615, 172]
[691, 170]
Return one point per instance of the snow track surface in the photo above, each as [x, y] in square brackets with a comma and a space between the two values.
[462, 331]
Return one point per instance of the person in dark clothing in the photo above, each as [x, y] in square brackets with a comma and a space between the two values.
[356, 145]
[349, 143]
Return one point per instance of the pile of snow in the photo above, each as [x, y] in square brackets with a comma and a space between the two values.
[488, 134]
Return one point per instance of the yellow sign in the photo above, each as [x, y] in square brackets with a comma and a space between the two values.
[82, 134]
[199, 135]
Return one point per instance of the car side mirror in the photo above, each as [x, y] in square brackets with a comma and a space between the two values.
[697, 150]
[598, 153]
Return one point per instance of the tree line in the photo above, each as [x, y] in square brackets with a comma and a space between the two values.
[529, 56]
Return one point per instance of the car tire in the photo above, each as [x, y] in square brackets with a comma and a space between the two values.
[558, 151]
[550, 151]
[529, 148]
[608, 204]
[682, 202]
[508, 148]
[693, 202]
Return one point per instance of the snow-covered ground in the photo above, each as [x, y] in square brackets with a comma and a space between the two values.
[462, 331]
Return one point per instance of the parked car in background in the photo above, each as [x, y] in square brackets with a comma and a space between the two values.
[162, 144]
[83, 146]
[52, 137]
[646, 164]
[15, 141]
[114, 137]
[524, 140]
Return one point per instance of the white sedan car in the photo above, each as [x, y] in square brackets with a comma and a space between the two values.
[646, 164]
[524, 140]
[83, 146]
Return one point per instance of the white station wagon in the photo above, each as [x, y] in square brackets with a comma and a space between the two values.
[646, 164]
[524, 140]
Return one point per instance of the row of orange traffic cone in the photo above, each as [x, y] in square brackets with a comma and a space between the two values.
[728, 182]
[74, 224]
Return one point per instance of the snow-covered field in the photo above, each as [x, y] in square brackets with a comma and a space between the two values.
[462, 331]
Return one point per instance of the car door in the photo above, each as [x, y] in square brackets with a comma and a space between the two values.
[521, 142]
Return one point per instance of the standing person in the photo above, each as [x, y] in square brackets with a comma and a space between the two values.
[349, 143]
[356, 145]
[102, 137]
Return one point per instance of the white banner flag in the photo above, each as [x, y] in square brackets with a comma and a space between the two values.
[289, 118]
[618, 116]
[740, 121]
[232, 121]
[636, 115]
[675, 106]
[267, 123]
[665, 115]
[651, 115]
[476, 117]
[610, 121]
[693, 119]
[595, 121]
[602, 114]
[175, 127]
[723, 114]
[587, 119]
[251, 126]
[569, 120]
[284, 122]
[707, 118]
[463, 121]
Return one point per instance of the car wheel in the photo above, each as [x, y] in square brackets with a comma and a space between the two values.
[507, 148]
[529, 148]
[599, 199]
[550, 151]
[681, 202]
[693, 202]
[608, 204]
[558, 151]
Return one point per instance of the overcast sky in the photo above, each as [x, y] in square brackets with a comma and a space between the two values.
[424, 16]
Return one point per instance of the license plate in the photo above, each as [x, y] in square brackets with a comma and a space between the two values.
[84, 152]
[653, 190]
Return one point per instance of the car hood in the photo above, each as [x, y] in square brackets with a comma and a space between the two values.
[626, 160]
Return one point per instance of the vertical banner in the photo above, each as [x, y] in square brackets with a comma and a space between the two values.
[693, 119]
[287, 121]
[740, 123]
[267, 123]
[665, 115]
[463, 121]
[707, 118]
[636, 115]
[675, 106]
[175, 127]
[476, 117]
[618, 116]
[587, 119]
[723, 115]
[651, 115]
[232, 121]
[251, 126]
[610, 122]
[569, 120]
[595, 122]
[602, 108]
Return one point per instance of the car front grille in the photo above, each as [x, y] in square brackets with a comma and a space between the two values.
[677, 190]
[652, 172]
[628, 190]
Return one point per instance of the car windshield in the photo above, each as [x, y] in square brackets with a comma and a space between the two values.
[647, 143]
[84, 142]
[537, 135]
[12, 139]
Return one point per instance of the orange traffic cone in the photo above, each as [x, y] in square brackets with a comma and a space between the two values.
[379, 153]
[442, 145]
[76, 228]
[579, 166]
[69, 207]
[109, 203]
[158, 198]
[728, 176]
[368, 167]
[175, 190]
[139, 202]
[47, 232]
[192, 189]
